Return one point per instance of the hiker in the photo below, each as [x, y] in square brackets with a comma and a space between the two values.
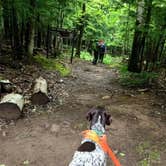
[102, 50]
[95, 52]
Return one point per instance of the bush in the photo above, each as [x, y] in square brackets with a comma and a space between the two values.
[113, 61]
[86, 56]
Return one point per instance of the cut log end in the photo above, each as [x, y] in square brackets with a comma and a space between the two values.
[9, 111]
[39, 98]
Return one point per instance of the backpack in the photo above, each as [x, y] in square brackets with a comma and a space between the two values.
[102, 48]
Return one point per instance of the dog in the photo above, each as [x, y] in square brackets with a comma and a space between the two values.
[90, 153]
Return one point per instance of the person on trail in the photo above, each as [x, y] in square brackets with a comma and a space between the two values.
[102, 50]
[99, 51]
[95, 47]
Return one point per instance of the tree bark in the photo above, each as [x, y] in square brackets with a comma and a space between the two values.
[30, 32]
[48, 40]
[126, 42]
[39, 34]
[141, 31]
[81, 31]
[16, 34]
[6, 17]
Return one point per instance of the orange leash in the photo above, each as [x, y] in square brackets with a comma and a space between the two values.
[102, 141]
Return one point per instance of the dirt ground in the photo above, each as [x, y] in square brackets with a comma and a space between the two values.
[48, 135]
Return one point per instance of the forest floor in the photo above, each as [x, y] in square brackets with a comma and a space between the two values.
[49, 135]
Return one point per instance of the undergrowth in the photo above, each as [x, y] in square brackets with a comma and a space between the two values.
[108, 59]
[86, 56]
[52, 64]
[133, 80]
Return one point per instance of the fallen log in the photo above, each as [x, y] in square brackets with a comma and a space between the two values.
[11, 106]
[5, 86]
[39, 96]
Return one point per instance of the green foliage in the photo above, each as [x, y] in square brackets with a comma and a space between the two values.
[52, 64]
[113, 61]
[113, 21]
[86, 56]
[134, 80]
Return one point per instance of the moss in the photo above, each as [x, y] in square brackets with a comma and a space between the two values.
[52, 64]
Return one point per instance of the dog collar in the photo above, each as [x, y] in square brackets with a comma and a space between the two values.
[99, 133]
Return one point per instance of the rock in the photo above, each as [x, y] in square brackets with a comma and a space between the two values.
[46, 125]
[55, 128]
[4, 133]
[143, 90]
[26, 162]
[106, 97]
[122, 154]
[66, 123]
[116, 152]
[12, 123]
[61, 81]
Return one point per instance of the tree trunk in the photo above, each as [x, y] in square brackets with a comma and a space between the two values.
[145, 32]
[16, 35]
[6, 17]
[48, 41]
[22, 33]
[81, 31]
[29, 38]
[141, 30]
[30, 32]
[126, 42]
[39, 34]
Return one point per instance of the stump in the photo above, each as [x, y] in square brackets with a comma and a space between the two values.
[39, 96]
[11, 106]
[6, 86]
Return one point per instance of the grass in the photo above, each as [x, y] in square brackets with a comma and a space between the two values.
[149, 156]
[52, 64]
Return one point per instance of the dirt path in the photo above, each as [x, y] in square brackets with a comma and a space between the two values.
[50, 134]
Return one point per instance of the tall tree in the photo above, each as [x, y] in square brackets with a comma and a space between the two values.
[81, 30]
[141, 30]
[30, 29]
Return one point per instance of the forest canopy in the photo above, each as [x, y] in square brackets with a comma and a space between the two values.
[134, 28]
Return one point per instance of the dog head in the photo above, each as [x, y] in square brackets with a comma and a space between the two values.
[98, 114]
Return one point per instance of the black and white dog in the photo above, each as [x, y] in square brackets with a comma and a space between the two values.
[90, 153]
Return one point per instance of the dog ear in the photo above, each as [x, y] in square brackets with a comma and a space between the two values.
[108, 119]
[89, 116]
